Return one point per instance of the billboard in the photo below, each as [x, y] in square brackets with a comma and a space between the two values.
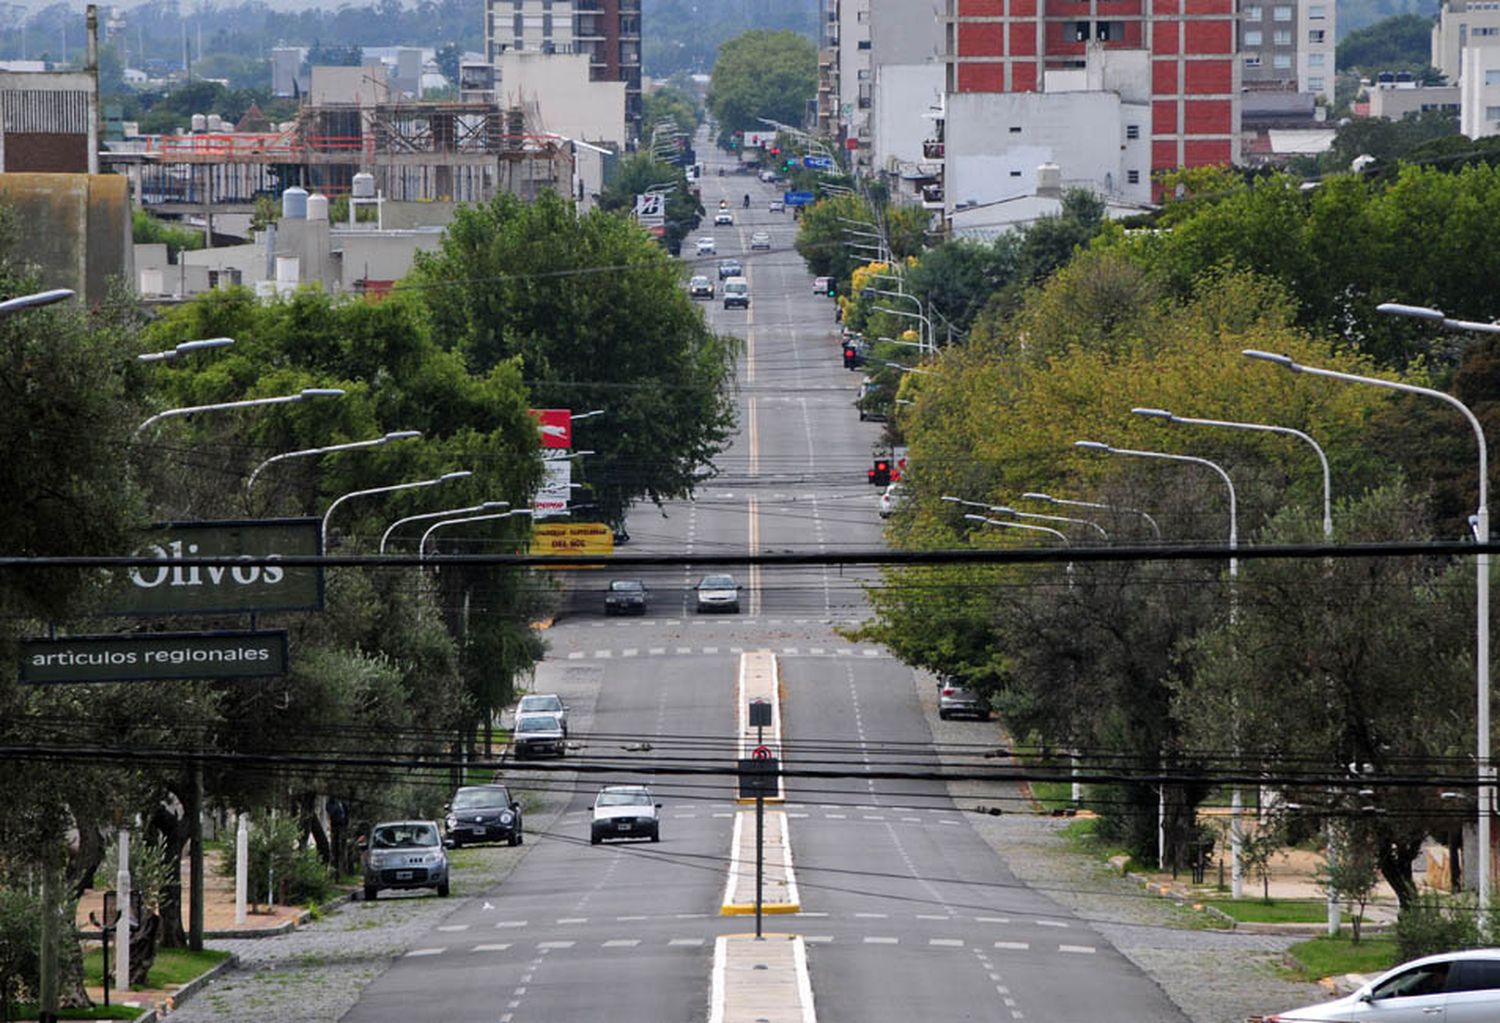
[650, 210]
[152, 657]
[759, 139]
[168, 587]
[556, 426]
[573, 538]
[557, 483]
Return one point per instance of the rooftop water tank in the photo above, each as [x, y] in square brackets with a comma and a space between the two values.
[363, 185]
[1049, 179]
[294, 203]
[317, 206]
[216, 123]
[199, 122]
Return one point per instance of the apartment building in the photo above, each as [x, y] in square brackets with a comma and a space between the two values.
[607, 31]
[1288, 46]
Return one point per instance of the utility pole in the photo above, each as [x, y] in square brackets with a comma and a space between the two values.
[195, 860]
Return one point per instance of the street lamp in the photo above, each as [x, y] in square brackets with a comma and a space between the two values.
[309, 452]
[1481, 523]
[223, 406]
[40, 298]
[422, 544]
[486, 506]
[1167, 417]
[586, 415]
[1422, 312]
[1007, 510]
[1237, 870]
[919, 315]
[444, 478]
[1015, 525]
[1035, 496]
[185, 348]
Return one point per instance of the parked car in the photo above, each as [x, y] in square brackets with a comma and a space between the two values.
[483, 813]
[760, 240]
[543, 703]
[777, 206]
[403, 855]
[723, 218]
[1455, 987]
[737, 293]
[706, 247]
[625, 811]
[538, 735]
[955, 698]
[730, 268]
[891, 499]
[869, 394]
[626, 596]
[718, 593]
[701, 287]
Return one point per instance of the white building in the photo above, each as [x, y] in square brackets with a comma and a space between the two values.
[907, 79]
[1479, 91]
[560, 89]
[1461, 24]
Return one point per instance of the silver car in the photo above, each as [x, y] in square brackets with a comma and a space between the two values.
[625, 811]
[538, 735]
[718, 593]
[1455, 987]
[404, 854]
[954, 698]
[543, 703]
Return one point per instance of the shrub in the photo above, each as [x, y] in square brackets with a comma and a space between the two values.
[280, 866]
[1435, 923]
[20, 939]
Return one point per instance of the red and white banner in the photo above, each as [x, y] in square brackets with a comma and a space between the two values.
[556, 425]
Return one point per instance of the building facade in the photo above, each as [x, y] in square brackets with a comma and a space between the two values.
[1460, 25]
[607, 31]
[1288, 46]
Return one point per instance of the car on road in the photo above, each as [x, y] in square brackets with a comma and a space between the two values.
[483, 813]
[737, 293]
[891, 500]
[701, 287]
[730, 268]
[538, 735]
[776, 206]
[718, 593]
[626, 596]
[401, 855]
[868, 403]
[955, 698]
[769, 177]
[706, 247]
[723, 219]
[1457, 987]
[760, 240]
[821, 285]
[543, 703]
[625, 811]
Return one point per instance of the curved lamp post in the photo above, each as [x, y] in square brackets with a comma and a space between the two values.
[1422, 312]
[447, 476]
[1007, 510]
[33, 301]
[1482, 560]
[184, 349]
[425, 516]
[1033, 495]
[225, 406]
[309, 452]
[422, 544]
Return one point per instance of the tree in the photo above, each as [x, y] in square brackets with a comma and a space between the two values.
[641, 171]
[685, 34]
[595, 315]
[670, 103]
[1402, 42]
[762, 74]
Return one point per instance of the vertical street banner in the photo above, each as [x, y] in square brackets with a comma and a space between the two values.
[555, 426]
[557, 482]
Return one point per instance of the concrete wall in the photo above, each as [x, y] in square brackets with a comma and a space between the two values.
[907, 96]
[386, 256]
[569, 104]
[905, 32]
[77, 228]
[367, 85]
[1479, 112]
[1395, 103]
[1460, 25]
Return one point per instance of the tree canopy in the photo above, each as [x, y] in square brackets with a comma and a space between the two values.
[762, 74]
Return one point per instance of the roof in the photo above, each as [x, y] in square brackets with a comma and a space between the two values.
[1296, 141]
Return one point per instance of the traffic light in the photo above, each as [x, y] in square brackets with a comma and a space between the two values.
[851, 357]
[880, 473]
[833, 287]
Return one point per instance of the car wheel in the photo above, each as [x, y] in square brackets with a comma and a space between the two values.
[442, 890]
[734, 609]
[984, 715]
[656, 835]
[943, 715]
[593, 840]
[515, 839]
[458, 843]
[370, 892]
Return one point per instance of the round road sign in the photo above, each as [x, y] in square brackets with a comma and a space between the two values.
[761, 753]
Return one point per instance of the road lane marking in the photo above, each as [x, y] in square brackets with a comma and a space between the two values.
[492, 948]
[1050, 923]
[1086, 950]
[686, 943]
[622, 943]
[946, 942]
[874, 940]
[511, 923]
[555, 944]
[453, 927]
[424, 952]
[1014, 946]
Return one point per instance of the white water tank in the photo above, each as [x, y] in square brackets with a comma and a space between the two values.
[1049, 179]
[363, 185]
[294, 203]
[317, 206]
[199, 122]
[215, 123]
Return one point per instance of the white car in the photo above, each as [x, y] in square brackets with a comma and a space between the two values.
[625, 811]
[760, 240]
[1456, 987]
[892, 498]
[718, 593]
[701, 287]
[777, 206]
[723, 218]
[706, 247]
[543, 703]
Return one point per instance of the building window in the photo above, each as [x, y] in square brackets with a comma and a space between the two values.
[1315, 84]
[1492, 113]
[519, 25]
[1281, 13]
[1315, 59]
[1315, 35]
[1282, 37]
[1015, 174]
[1080, 31]
[1254, 13]
[1281, 61]
[1132, 131]
[864, 44]
[1252, 62]
[1252, 37]
[1133, 177]
[1317, 12]
[547, 26]
[1492, 77]
[1015, 129]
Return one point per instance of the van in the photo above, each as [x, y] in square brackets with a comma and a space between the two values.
[736, 293]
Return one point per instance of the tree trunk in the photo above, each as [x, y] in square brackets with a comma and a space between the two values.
[1395, 867]
[143, 949]
[311, 824]
[170, 823]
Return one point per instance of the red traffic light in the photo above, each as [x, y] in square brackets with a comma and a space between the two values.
[880, 475]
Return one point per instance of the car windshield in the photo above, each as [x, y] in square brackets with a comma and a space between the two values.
[404, 836]
[717, 582]
[530, 704]
[624, 798]
[539, 723]
[626, 586]
[476, 799]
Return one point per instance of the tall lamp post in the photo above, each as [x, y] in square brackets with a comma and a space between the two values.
[32, 301]
[1486, 778]
[445, 513]
[414, 484]
[1236, 798]
[355, 445]
[1033, 495]
[185, 348]
[226, 406]
[1007, 510]
[422, 544]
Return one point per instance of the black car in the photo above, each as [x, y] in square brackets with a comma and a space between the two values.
[626, 596]
[483, 813]
[730, 268]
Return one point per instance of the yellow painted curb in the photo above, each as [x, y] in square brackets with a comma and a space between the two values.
[748, 908]
[769, 800]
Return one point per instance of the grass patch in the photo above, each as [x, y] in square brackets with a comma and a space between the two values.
[26, 1010]
[1327, 957]
[1277, 911]
[173, 966]
[1052, 795]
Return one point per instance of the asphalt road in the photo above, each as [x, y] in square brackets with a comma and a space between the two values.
[906, 910]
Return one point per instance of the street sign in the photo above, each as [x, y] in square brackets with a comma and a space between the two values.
[168, 587]
[650, 210]
[557, 485]
[759, 777]
[556, 426]
[760, 714]
[759, 139]
[817, 162]
[151, 657]
[798, 198]
[573, 538]
[761, 753]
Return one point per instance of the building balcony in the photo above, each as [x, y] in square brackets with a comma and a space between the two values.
[932, 149]
[932, 196]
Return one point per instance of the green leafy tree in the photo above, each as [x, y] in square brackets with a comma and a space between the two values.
[595, 315]
[1402, 42]
[640, 172]
[685, 34]
[671, 104]
[762, 74]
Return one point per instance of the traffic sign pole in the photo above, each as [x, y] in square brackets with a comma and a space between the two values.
[760, 859]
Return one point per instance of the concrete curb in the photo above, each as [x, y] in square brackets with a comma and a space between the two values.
[1188, 899]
